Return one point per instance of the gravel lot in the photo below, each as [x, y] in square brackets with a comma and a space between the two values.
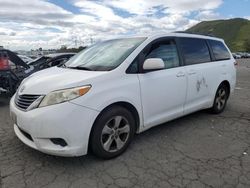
[199, 150]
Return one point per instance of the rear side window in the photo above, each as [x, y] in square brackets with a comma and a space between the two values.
[194, 51]
[219, 50]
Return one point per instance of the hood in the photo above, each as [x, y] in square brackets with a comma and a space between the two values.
[55, 78]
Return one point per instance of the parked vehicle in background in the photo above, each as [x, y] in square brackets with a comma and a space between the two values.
[51, 60]
[39, 61]
[33, 57]
[108, 92]
[25, 58]
[12, 71]
[241, 55]
[244, 55]
[236, 56]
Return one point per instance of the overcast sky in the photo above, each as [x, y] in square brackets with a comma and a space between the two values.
[30, 24]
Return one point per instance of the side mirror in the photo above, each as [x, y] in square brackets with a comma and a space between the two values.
[153, 64]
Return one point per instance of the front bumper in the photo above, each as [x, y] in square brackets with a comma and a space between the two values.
[66, 121]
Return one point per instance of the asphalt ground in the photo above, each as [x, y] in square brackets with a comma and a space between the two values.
[198, 150]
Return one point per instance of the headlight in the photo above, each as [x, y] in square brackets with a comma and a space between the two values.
[61, 96]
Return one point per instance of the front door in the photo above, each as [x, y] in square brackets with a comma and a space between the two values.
[163, 92]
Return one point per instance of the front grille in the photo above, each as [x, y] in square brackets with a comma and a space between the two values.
[24, 101]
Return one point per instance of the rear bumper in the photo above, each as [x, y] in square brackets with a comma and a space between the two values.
[66, 121]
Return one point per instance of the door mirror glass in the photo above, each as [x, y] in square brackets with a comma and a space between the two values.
[153, 64]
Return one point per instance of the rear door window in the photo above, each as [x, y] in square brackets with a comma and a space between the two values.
[194, 50]
[219, 50]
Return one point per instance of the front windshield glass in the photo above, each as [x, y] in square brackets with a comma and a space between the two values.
[104, 56]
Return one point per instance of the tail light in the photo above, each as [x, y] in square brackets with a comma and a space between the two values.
[4, 64]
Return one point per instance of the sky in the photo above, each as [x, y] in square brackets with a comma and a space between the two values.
[31, 24]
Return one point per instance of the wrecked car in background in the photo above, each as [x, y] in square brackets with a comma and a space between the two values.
[25, 58]
[12, 71]
[50, 60]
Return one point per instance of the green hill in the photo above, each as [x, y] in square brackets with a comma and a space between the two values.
[234, 31]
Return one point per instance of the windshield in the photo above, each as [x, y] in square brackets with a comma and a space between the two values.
[104, 56]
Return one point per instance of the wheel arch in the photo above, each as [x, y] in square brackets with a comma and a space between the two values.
[227, 84]
[130, 107]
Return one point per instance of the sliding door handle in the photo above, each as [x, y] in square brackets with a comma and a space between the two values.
[191, 72]
[180, 74]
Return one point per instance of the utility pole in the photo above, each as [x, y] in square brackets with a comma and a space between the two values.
[91, 40]
[76, 42]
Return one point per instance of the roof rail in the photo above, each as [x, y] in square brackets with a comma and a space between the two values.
[194, 33]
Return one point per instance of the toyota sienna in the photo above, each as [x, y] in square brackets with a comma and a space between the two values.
[111, 90]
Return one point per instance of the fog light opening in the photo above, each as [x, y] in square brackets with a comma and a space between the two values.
[59, 141]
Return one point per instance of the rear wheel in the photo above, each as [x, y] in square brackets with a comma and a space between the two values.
[220, 99]
[112, 132]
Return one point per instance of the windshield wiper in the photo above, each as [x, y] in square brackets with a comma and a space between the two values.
[80, 68]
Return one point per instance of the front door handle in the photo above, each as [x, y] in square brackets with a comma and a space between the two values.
[180, 74]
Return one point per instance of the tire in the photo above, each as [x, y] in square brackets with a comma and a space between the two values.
[112, 132]
[220, 99]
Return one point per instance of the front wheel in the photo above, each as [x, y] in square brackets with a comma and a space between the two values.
[220, 99]
[112, 132]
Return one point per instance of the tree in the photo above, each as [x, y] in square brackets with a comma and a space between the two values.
[247, 45]
[63, 47]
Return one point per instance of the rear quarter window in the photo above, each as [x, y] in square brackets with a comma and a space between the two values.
[194, 50]
[219, 50]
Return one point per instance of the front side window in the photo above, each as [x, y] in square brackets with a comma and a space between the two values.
[167, 51]
[219, 50]
[105, 56]
[194, 51]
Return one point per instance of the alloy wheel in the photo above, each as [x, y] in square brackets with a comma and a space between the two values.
[221, 98]
[115, 134]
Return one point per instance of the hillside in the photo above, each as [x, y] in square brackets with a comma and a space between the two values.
[234, 31]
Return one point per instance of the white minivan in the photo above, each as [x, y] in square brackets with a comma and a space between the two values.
[108, 92]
